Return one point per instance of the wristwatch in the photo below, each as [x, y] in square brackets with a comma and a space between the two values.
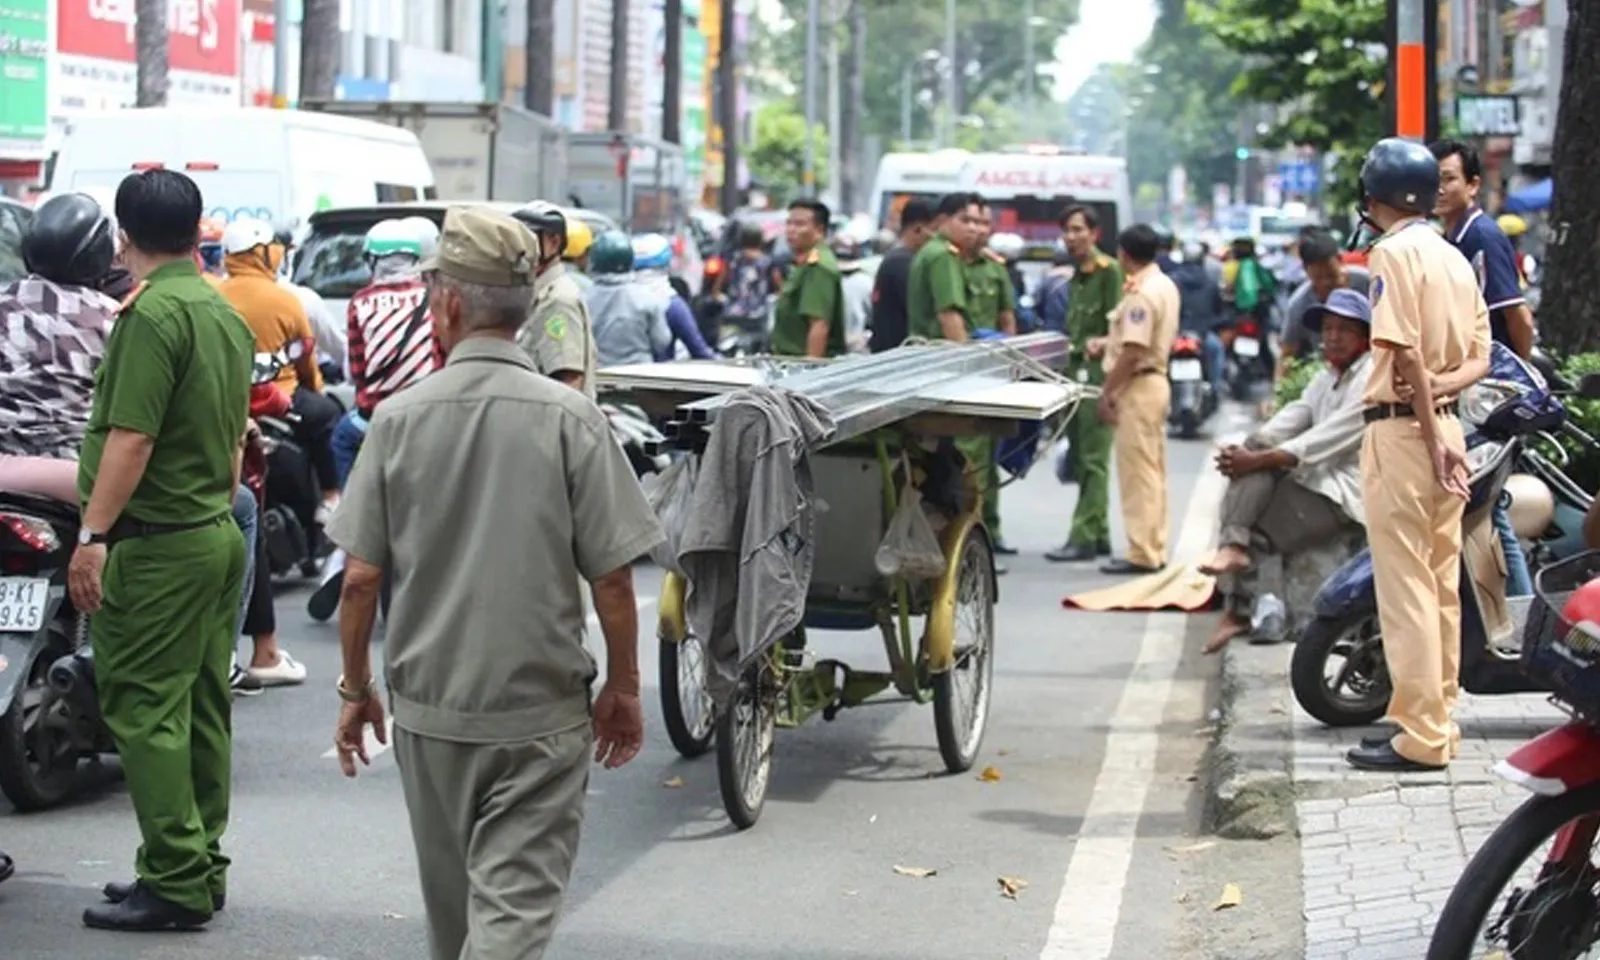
[367, 692]
[87, 537]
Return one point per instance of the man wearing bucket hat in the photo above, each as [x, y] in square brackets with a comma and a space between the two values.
[1296, 481]
[485, 661]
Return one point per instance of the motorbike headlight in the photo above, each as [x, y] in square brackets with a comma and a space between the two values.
[1481, 399]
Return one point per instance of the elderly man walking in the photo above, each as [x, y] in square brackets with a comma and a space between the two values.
[487, 492]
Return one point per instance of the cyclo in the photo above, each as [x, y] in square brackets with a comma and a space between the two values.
[862, 479]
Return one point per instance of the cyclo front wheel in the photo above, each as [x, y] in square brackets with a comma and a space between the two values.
[1512, 903]
[961, 693]
[686, 708]
[746, 729]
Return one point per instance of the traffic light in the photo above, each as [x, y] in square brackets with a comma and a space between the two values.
[1241, 154]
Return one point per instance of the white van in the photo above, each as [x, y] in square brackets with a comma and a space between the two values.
[277, 165]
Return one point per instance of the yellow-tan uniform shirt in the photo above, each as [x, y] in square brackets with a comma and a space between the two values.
[1147, 316]
[1446, 322]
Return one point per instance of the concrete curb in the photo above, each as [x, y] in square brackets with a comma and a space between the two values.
[1250, 791]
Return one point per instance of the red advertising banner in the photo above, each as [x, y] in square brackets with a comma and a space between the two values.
[203, 35]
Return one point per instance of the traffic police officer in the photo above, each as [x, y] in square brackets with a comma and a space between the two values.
[809, 318]
[1430, 340]
[557, 334]
[1093, 293]
[1136, 395]
[159, 563]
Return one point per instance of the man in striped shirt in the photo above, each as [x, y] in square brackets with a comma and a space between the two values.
[391, 341]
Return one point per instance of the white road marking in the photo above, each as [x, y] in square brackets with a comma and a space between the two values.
[1090, 904]
[376, 749]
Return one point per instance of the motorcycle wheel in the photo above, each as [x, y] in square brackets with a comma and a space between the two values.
[1543, 922]
[38, 764]
[1356, 639]
[1188, 424]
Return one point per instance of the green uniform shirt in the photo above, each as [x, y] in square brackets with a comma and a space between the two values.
[812, 292]
[1092, 293]
[938, 282]
[989, 292]
[177, 368]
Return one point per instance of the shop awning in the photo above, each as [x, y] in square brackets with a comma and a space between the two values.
[1530, 199]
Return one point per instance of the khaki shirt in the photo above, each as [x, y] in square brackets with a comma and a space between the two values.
[558, 335]
[1147, 316]
[1425, 296]
[490, 492]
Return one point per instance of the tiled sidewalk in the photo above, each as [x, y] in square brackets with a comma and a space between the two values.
[1380, 852]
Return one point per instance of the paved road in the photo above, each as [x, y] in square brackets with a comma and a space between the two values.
[1095, 729]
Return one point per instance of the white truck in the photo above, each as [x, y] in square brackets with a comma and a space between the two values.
[478, 151]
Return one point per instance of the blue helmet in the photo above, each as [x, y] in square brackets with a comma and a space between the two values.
[1402, 174]
[652, 251]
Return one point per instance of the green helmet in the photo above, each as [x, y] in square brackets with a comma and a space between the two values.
[612, 252]
[389, 237]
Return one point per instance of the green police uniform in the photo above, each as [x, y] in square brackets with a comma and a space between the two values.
[813, 291]
[937, 283]
[177, 369]
[989, 294]
[1092, 294]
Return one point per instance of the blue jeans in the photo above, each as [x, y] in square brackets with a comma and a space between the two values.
[246, 514]
[1216, 360]
[1519, 582]
[348, 434]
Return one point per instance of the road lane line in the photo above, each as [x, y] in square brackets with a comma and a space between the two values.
[376, 749]
[1090, 905]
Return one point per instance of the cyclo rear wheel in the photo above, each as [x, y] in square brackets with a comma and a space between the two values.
[961, 693]
[746, 728]
[686, 709]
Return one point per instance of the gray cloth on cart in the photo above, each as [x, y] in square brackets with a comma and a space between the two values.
[748, 541]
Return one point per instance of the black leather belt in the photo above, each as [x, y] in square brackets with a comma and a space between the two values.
[128, 528]
[1392, 411]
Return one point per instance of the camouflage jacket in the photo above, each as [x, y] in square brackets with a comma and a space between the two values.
[54, 339]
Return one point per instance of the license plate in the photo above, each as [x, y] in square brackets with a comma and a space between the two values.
[22, 603]
[1247, 346]
[1184, 370]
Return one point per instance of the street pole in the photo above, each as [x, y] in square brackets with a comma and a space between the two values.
[672, 79]
[728, 83]
[949, 134]
[835, 142]
[1413, 41]
[280, 54]
[809, 175]
[1029, 68]
[905, 105]
[617, 101]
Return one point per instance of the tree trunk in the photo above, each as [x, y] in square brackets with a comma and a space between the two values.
[319, 49]
[853, 63]
[672, 80]
[150, 53]
[539, 86]
[1569, 311]
[617, 116]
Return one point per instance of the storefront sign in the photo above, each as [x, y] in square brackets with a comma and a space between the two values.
[95, 42]
[24, 55]
[1487, 116]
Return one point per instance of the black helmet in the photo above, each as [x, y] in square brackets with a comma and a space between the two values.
[69, 241]
[543, 217]
[1402, 174]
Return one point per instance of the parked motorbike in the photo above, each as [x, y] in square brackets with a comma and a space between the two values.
[49, 716]
[1193, 400]
[1512, 901]
[294, 539]
[1503, 414]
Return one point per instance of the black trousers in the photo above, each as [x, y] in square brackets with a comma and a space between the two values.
[260, 617]
[318, 416]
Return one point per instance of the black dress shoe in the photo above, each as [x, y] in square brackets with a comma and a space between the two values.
[118, 892]
[143, 912]
[324, 602]
[1381, 739]
[1103, 548]
[1003, 549]
[1122, 566]
[1384, 759]
[1074, 553]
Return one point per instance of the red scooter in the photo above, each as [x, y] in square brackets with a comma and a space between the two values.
[1532, 892]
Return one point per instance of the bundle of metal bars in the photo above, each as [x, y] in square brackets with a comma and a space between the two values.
[865, 393]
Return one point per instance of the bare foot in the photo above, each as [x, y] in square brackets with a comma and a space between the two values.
[1229, 559]
[1231, 625]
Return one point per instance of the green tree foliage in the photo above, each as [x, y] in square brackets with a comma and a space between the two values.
[1188, 107]
[1321, 61]
[777, 154]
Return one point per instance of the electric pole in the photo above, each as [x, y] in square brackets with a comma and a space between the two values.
[809, 174]
[672, 78]
[728, 103]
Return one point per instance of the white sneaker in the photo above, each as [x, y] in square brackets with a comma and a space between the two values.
[243, 683]
[285, 673]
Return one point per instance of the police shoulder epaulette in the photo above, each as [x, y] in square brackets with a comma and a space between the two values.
[994, 256]
[132, 296]
[813, 257]
[952, 248]
[1101, 260]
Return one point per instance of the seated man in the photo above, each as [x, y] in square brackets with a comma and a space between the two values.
[1297, 479]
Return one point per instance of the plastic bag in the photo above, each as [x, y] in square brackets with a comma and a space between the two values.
[910, 548]
[672, 497]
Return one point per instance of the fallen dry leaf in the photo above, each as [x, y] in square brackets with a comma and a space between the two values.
[990, 775]
[672, 783]
[1183, 898]
[1231, 897]
[1193, 847]
[391, 915]
[918, 872]
[1004, 752]
[1011, 886]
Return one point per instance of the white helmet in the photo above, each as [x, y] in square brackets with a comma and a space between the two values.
[427, 234]
[245, 234]
[1533, 507]
[1007, 245]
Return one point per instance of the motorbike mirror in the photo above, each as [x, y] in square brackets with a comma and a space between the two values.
[1589, 386]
